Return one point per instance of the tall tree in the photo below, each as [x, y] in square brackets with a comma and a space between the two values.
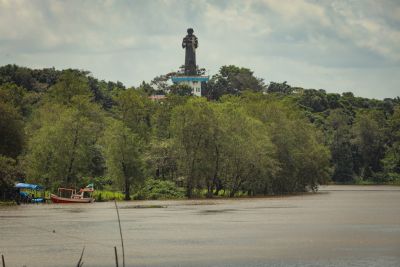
[369, 138]
[134, 110]
[247, 153]
[341, 148]
[122, 150]
[62, 147]
[11, 131]
[193, 126]
[233, 80]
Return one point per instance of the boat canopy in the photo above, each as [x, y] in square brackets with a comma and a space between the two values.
[29, 186]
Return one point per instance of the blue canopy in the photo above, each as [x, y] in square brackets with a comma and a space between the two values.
[29, 186]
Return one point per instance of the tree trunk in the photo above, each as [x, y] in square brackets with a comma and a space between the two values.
[127, 189]
[189, 186]
[215, 176]
[127, 182]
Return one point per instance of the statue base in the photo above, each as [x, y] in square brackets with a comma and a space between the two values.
[193, 82]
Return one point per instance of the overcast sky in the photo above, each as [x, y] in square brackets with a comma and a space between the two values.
[334, 45]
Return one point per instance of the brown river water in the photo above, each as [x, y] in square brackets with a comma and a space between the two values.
[339, 226]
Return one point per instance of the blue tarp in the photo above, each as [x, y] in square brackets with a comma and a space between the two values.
[29, 186]
[177, 79]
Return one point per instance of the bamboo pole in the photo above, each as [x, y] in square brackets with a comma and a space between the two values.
[80, 263]
[116, 256]
[120, 233]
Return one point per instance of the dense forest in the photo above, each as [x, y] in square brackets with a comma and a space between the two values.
[245, 137]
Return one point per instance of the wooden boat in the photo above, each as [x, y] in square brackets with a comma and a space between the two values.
[67, 195]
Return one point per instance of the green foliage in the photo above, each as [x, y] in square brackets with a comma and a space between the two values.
[316, 100]
[281, 88]
[303, 158]
[157, 189]
[369, 138]
[9, 174]
[69, 85]
[233, 80]
[121, 148]
[68, 128]
[62, 148]
[181, 89]
[104, 195]
[341, 149]
[134, 110]
[11, 130]
[247, 155]
[391, 160]
[193, 126]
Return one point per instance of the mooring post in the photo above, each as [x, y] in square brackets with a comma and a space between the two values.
[2, 259]
[120, 233]
[116, 256]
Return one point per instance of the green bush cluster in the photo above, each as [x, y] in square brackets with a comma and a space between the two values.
[158, 189]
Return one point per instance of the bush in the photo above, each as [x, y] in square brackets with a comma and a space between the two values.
[102, 195]
[158, 189]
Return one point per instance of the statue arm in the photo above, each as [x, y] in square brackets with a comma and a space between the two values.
[183, 43]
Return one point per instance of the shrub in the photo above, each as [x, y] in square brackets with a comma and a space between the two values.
[158, 189]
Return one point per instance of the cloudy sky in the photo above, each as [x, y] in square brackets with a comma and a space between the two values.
[334, 45]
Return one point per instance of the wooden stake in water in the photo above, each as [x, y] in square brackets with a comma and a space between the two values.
[2, 259]
[120, 233]
[80, 262]
[116, 256]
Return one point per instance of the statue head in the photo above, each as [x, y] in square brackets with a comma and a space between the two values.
[190, 31]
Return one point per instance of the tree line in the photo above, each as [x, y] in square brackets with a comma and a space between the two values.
[66, 128]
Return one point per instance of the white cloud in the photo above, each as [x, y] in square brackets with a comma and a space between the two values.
[307, 42]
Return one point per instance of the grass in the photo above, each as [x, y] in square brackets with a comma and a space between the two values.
[7, 203]
[105, 195]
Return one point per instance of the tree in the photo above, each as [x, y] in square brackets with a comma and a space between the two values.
[134, 110]
[369, 139]
[181, 89]
[9, 174]
[63, 144]
[11, 131]
[391, 161]
[161, 117]
[122, 149]
[316, 100]
[233, 80]
[282, 88]
[246, 151]
[162, 159]
[19, 75]
[341, 149]
[70, 83]
[192, 127]
[302, 156]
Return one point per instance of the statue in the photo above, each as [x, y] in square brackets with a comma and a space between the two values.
[190, 43]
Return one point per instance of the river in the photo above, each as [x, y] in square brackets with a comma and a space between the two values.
[338, 226]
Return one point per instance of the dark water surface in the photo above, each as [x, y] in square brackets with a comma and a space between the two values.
[339, 226]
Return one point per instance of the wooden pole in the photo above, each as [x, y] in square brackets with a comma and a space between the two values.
[2, 259]
[80, 263]
[116, 256]
[120, 233]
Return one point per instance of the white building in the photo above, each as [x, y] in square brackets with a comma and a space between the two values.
[193, 82]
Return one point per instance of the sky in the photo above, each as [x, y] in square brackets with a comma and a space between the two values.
[338, 46]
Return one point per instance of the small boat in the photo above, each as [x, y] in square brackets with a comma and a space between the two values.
[29, 193]
[68, 195]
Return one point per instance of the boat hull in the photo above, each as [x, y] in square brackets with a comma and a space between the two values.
[57, 199]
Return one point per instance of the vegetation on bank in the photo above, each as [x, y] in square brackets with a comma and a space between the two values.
[66, 128]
